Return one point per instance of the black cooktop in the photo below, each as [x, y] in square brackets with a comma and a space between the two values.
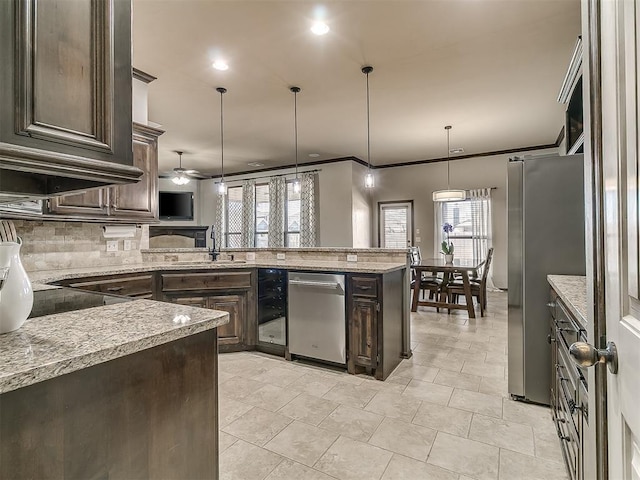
[63, 299]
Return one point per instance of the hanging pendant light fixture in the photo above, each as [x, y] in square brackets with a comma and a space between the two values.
[222, 188]
[369, 181]
[296, 90]
[449, 195]
[179, 177]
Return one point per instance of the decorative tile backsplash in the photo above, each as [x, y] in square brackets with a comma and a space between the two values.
[53, 245]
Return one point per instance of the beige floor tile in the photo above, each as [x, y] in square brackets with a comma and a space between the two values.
[352, 395]
[225, 441]
[302, 443]
[243, 461]
[223, 377]
[289, 470]
[496, 358]
[498, 432]
[230, 410]
[257, 426]
[406, 439]
[429, 392]
[494, 386]
[403, 381]
[352, 460]
[244, 367]
[344, 377]
[279, 376]
[308, 409]
[417, 372]
[524, 467]
[547, 444]
[239, 388]
[466, 457]
[313, 384]
[483, 369]
[444, 419]
[271, 397]
[403, 468]
[528, 414]
[352, 422]
[394, 405]
[458, 380]
[477, 402]
[467, 355]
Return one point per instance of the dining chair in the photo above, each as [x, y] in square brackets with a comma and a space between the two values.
[478, 286]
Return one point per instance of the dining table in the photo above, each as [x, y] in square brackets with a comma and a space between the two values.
[466, 268]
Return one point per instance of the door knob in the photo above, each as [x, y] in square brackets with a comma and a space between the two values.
[586, 355]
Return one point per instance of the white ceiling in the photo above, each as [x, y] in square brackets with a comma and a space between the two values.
[490, 68]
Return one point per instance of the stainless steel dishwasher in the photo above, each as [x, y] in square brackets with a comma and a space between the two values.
[317, 316]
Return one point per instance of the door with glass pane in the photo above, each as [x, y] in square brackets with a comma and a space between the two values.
[395, 224]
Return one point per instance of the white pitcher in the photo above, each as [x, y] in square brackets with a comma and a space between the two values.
[16, 294]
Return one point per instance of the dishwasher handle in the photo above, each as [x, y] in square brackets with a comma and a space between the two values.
[307, 283]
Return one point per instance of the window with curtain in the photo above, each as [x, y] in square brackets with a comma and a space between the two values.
[233, 230]
[292, 226]
[471, 220]
[263, 208]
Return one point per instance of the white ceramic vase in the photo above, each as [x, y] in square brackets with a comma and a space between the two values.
[16, 294]
[448, 258]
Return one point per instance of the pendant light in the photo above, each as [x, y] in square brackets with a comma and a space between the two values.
[222, 188]
[179, 177]
[369, 181]
[295, 91]
[449, 195]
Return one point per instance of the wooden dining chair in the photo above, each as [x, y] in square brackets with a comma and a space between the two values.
[478, 287]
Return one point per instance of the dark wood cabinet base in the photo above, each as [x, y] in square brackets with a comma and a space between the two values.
[152, 414]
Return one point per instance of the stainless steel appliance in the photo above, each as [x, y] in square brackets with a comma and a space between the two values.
[317, 326]
[546, 236]
[272, 306]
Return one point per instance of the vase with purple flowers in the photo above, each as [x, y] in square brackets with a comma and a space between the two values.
[447, 246]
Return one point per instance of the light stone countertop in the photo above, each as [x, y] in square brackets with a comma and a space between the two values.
[572, 289]
[47, 276]
[53, 345]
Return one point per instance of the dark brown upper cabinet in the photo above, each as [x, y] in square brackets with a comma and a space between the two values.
[65, 96]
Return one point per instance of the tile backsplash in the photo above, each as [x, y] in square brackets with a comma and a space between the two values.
[53, 245]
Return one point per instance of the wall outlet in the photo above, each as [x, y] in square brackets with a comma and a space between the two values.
[417, 231]
[251, 256]
[112, 246]
[418, 239]
[127, 245]
[280, 256]
[352, 258]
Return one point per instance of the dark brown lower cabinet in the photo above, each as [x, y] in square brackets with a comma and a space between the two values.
[151, 414]
[233, 332]
[363, 326]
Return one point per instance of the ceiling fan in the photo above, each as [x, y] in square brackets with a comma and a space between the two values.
[182, 176]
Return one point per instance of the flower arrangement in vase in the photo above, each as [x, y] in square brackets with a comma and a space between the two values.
[447, 246]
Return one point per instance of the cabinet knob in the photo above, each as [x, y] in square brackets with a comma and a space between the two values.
[586, 355]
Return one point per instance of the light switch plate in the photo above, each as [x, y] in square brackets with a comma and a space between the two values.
[417, 231]
[280, 256]
[127, 245]
[251, 256]
[418, 239]
[352, 258]
[112, 246]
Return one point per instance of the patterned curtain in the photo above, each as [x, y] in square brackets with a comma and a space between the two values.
[249, 214]
[309, 210]
[277, 199]
[219, 222]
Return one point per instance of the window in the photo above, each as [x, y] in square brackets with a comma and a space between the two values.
[395, 224]
[233, 235]
[262, 215]
[292, 215]
[471, 220]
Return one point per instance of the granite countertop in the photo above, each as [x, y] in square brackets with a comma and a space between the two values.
[572, 289]
[47, 276]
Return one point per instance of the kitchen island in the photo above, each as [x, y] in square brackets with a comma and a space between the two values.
[122, 390]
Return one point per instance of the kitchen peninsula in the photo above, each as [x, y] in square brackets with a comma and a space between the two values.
[126, 389]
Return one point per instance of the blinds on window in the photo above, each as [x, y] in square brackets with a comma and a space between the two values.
[395, 220]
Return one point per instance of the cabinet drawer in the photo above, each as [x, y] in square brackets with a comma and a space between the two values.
[180, 282]
[130, 285]
[364, 286]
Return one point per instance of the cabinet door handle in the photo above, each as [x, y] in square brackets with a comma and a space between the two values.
[550, 339]
[364, 287]
[114, 289]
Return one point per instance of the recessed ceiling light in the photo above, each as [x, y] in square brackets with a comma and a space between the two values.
[314, 155]
[220, 65]
[320, 28]
[255, 164]
[456, 150]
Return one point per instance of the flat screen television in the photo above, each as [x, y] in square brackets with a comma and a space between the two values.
[175, 206]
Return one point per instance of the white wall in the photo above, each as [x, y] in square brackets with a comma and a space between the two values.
[362, 213]
[418, 182]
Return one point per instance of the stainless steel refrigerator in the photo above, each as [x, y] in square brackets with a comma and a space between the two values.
[546, 236]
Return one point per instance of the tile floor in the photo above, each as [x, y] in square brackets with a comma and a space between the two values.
[443, 414]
